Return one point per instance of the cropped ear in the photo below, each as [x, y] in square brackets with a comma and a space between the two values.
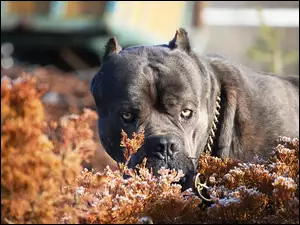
[112, 47]
[181, 41]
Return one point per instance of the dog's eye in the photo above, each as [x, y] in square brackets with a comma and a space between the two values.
[127, 116]
[186, 113]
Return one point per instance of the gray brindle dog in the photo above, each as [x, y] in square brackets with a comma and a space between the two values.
[187, 103]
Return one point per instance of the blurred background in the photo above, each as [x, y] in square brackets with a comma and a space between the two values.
[61, 42]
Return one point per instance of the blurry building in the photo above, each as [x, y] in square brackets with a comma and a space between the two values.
[72, 34]
[232, 28]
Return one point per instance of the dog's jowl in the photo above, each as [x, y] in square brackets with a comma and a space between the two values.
[187, 103]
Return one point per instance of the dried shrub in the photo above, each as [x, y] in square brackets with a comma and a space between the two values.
[32, 171]
[255, 192]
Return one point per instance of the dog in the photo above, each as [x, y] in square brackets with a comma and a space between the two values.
[187, 104]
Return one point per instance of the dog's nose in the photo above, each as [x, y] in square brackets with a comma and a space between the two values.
[163, 146]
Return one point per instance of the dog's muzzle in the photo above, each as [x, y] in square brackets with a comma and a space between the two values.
[164, 147]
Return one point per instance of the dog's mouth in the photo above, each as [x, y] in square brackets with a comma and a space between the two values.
[178, 163]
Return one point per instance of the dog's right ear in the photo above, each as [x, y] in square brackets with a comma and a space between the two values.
[112, 47]
[181, 41]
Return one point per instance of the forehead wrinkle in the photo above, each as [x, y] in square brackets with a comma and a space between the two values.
[186, 68]
[174, 81]
[150, 78]
[142, 86]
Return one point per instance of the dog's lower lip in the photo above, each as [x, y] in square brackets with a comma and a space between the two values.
[159, 155]
[182, 182]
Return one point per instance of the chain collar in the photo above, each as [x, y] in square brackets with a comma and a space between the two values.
[212, 133]
[198, 184]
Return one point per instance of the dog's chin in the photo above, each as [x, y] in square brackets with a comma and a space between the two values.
[184, 164]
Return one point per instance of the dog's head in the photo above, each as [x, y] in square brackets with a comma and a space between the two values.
[160, 89]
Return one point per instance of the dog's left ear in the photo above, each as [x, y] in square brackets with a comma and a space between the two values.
[181, 41]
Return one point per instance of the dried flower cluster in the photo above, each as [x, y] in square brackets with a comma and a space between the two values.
[109, 198]
[42, 180]
[131, 145]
